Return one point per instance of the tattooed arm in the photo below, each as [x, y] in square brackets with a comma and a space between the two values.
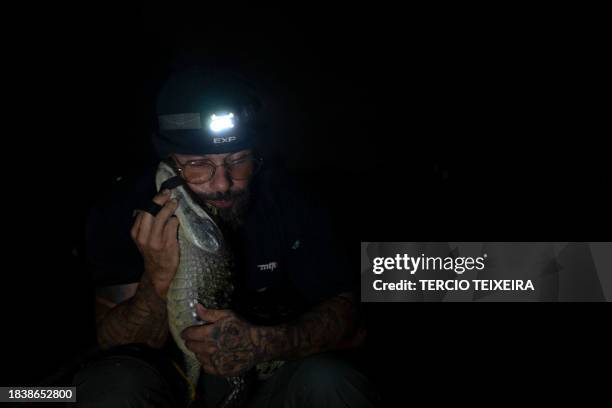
[333, 324]
[230, 345]
[141, 318]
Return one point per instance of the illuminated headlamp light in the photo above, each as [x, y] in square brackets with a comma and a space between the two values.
[220, 123]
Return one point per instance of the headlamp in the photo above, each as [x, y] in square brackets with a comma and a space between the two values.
[203, 112]
[221, 122]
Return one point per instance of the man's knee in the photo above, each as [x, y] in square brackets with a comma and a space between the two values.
[122, 381]
[323, 380]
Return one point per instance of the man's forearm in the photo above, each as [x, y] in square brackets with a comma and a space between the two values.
[140, 319]
[323, 328]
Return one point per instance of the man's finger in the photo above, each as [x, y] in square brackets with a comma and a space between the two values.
[136, 226]
[162, 197]
[208, 367]
[147, 218]
[203, 350]
[204, 333]
[211, 315]
[196, 333]
[197, 347]
[144, 229]
[161, 219]
[170, 231]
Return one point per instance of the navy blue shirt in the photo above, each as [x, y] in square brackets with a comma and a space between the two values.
[286, 257]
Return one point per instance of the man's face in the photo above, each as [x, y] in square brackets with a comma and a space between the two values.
[228, 196]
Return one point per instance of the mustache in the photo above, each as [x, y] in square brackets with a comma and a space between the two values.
[223, 196]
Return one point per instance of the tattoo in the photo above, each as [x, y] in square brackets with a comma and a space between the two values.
[235, 350]
[320, 329]
[139, 319]
[233, 345]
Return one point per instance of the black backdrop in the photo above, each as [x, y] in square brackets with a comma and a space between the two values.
[413, 125]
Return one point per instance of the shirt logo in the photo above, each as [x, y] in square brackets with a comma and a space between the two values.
[268, 267]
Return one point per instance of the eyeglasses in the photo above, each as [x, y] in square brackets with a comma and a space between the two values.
[202, 171]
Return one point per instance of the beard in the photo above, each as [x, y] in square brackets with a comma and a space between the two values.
[232, 217]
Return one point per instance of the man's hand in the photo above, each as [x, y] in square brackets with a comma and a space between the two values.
[224, 346]
[142, 316]
[156, 240]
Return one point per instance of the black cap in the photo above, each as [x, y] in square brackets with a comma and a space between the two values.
[205, 112]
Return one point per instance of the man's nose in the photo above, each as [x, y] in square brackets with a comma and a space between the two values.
[220, 181]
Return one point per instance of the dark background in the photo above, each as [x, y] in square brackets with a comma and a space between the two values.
[445, 124]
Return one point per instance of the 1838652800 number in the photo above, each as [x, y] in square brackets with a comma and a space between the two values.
[37, 394]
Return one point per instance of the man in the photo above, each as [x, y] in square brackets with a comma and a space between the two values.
[294, 299]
